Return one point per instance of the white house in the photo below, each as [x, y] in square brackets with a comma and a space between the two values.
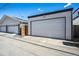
[11, 24]
[57, 24]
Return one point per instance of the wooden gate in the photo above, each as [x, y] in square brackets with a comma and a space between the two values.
[23, 30]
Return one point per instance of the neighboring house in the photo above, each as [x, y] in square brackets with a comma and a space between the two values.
[76, 23]
[57, 24]
[76, 13]
[11, 24]
[76, 17]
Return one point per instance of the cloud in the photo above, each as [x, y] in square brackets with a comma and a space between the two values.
[68, 4]
[39, 9]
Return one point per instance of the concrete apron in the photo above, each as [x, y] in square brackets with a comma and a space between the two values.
[53, 44]
[50, 43]
[42, 40]
[47, 43]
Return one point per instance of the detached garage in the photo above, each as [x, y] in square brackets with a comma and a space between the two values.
[11, 24]
[57, 24]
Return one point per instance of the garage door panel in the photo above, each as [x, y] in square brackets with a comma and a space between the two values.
[3, 29]
[13, 29]
[49, 28]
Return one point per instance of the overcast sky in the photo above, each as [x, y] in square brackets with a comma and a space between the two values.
[23, 10]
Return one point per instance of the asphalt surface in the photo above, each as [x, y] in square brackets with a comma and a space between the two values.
[13, 47]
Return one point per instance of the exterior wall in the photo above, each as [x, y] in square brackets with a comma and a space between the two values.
[3, 29]
[66, 14]
[76, 21]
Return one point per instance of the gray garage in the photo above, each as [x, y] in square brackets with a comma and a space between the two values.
[11, 24]
[57, 24]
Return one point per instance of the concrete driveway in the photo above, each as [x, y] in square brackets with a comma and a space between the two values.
[13, 47]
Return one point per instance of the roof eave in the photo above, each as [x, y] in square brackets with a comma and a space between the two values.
[70, 9]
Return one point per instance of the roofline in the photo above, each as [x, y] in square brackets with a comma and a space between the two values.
[4, 16]
[64, 10]
[75, 18]
[75, 10]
